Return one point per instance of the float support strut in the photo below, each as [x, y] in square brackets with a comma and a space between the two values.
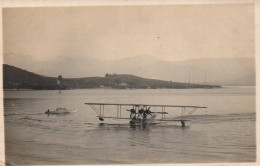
[182, 123]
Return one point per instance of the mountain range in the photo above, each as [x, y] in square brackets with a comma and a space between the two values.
[219, 71]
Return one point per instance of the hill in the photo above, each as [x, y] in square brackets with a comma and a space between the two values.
[16, 78]
[222, 71]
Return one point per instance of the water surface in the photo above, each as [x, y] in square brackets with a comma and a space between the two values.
[224, 132]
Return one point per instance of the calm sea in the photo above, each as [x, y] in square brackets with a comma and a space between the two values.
[224, 132]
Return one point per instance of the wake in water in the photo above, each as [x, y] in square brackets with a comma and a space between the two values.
[223, 118]
[196, 119]
[13, 114]
[24, 114]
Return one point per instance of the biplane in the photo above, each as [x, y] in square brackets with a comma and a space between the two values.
[143, 114]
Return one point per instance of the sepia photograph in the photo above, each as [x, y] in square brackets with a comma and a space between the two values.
[129, 84]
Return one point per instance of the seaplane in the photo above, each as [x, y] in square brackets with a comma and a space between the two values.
[143, 114]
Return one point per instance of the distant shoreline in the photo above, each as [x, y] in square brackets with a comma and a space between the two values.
[101, 88]
[124, 89]
[19, 79]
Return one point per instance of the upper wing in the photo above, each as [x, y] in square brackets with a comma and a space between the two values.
[148, 105]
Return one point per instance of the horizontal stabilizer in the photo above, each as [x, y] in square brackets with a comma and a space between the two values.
[104, 117]
[160, 112]
[173, 120]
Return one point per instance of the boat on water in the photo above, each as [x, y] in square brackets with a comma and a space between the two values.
[58, 111]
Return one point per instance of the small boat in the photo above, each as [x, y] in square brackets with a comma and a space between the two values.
[58, 111]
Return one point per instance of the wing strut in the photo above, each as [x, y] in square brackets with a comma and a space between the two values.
[98, 112]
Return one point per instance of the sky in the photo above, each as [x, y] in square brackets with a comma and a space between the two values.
[169, 33]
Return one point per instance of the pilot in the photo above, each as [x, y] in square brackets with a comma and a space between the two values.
[133, 114]
[141, 111]
[145, 115]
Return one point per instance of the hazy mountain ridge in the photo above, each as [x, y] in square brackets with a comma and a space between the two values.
[15, 78]
[223, 71]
